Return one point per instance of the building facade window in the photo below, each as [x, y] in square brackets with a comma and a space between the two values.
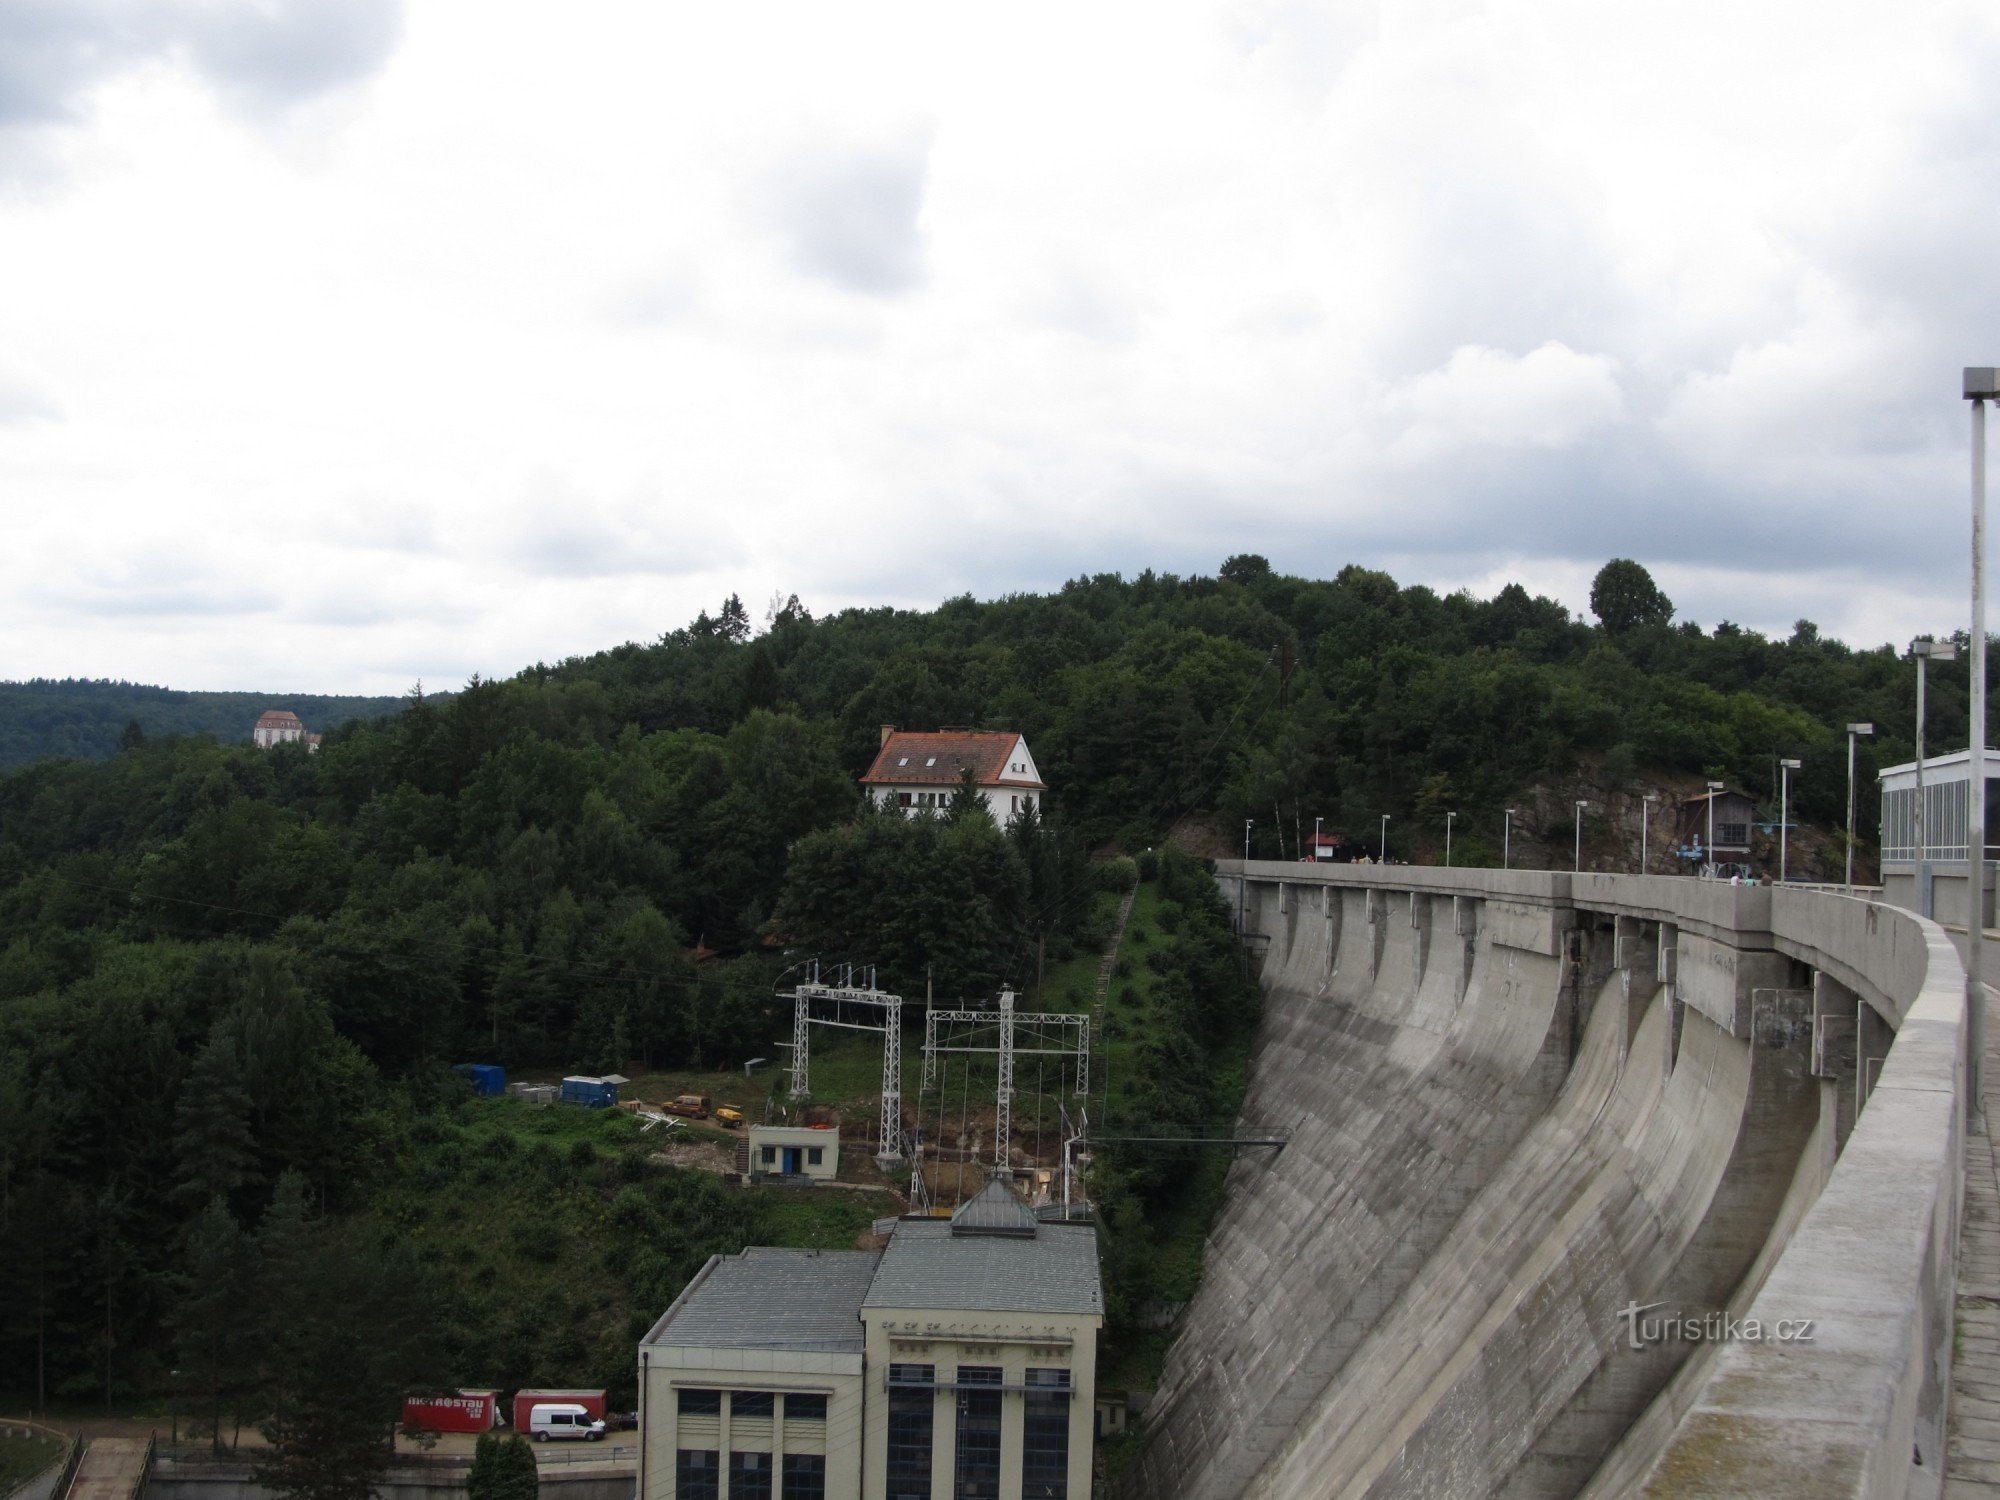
[749, 1476]
[752, 1404]
[815, 1156]
[912, 1405]
[800, 1408]
[804, 1477]
[697, 1403]
[770, 1155]
[1045, 1436]
[695, 1475]
[978, 1471]
[1733, 835]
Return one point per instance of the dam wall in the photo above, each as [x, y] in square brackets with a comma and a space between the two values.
[1520, 1107]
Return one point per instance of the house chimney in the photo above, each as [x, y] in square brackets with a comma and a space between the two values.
[887, 730]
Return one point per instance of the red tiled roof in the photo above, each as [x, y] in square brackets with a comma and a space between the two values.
[909, 759]
[277, 718]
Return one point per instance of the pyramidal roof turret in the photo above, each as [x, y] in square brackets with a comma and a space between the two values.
[995, 1209]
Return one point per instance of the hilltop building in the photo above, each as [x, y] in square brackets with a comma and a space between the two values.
[921, 771]
[280, 726]
[960, 1360]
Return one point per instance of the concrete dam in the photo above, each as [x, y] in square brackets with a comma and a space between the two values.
[1546, 1134]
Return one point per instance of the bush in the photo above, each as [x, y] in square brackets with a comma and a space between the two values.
[582, 1154]
[1117, 875]
[1148, 865]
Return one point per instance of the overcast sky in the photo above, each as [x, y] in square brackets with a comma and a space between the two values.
[346, 342]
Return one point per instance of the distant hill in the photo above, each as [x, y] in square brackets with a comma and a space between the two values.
[83, 719]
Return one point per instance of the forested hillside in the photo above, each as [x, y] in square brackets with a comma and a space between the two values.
[224, 969]
[89, 719]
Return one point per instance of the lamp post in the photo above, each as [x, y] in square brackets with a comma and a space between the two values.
[1785, 769]
[1507, 841]
[1384, 858]
[1447, 838]
[1925, 651]
[1316, 823]
[1645, 825]
[1713, 788]
[1854, 732]
[1981, 385]
[1243, 880]
[1577, 862]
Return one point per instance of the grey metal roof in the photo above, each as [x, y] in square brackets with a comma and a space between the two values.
[994, 1209]
[773, 1299]
[926, 1266]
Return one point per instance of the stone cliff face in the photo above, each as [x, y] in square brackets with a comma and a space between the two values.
[1508, 1121]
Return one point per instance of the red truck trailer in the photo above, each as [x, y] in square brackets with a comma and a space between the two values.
[590, 1401]
[468, 1411]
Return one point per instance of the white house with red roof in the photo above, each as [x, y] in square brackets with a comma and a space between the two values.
[280, 726]
[919, 772]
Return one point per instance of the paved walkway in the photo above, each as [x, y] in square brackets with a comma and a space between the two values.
[113, 1468]
[1972, 1429]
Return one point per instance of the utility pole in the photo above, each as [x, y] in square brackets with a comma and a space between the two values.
[1447, 838]
[1645, 821]
[1507, 841]
[1577, 863]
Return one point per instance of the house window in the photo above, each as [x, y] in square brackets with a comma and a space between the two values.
[902, 799]
[904, 761]
[770, 1155]
[911, 1407]
[978, 1476]
[700, 1403]
[815, 1155]
[1045, 1436]
[749, 1476]
[1734, 834]
[931, 762]
[805, 1477]
[695, 1474]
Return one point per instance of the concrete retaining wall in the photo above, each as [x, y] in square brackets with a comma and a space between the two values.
[1520, 1104]
[433, 1480]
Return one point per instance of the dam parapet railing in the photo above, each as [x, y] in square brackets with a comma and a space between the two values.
[1859, 1409]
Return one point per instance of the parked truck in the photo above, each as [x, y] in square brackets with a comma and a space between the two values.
[468, 1411]
[591, 1093]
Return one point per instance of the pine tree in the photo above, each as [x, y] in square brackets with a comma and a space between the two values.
[503, 1468]
[212, 1141]
[214, 1323]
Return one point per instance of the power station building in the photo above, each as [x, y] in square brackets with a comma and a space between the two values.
[957, 1362]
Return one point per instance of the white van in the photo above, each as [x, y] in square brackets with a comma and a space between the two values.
[563, 1419]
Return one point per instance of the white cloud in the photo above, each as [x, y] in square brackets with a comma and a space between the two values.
[553, 333]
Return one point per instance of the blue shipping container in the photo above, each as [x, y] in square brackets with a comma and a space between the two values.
[485, 1078]
[591, 1093]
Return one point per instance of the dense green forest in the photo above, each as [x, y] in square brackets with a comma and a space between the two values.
[231, 981]
[90, 719]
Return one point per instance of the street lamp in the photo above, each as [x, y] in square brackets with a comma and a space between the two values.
[1713, 788]
[1447, 838]
[1385, 840]
[1316, 823]
[1243, 881]
[1785, 769]
[1507, 841]
[1854, 732]
[1645, 819]
[1982, 384]
[1925, 651]
[1577, 863]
